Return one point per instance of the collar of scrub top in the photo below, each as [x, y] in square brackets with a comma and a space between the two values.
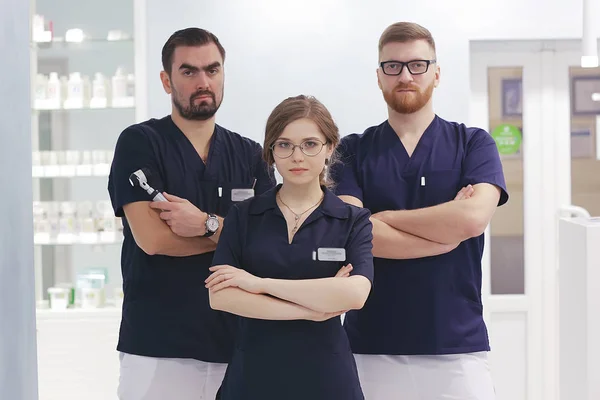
[331, 205]
[214, 147]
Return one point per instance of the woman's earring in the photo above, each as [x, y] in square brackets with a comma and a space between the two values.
[327, 161]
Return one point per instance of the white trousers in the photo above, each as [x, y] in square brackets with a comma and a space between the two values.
[148, 378]
[439, 377]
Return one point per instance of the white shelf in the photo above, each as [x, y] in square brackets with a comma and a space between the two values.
[70, 171]
[47, 40]
[78, 238]
[95, 104]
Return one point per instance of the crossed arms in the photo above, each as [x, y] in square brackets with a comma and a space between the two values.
[406, 234]
[238, 292]
[172, 228]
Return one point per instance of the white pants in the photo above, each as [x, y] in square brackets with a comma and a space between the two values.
[148, 378]
[443, 377]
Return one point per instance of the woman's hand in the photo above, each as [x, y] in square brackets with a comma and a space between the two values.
[224, 276]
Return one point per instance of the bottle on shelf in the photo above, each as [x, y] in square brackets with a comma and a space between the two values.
[99, 92]
[39, 33]
[64, 87]
[131, 85]
[54, 94]
[77, 91]
[67, 227]
[120, 96]
[41, 89]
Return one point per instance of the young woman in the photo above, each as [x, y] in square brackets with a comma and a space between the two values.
[290, 262]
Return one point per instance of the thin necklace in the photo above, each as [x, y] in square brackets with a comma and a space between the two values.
[297, 216]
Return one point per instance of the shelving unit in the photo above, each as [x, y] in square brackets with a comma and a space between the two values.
[75, 131]
[73, 140]
[70, 171]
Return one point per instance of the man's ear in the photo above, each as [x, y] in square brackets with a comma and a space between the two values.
[166, 81]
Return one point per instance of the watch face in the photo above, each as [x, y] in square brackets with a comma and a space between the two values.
[212, 224]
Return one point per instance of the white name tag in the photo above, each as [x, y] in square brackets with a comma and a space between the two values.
[241, 194]
[331, 254]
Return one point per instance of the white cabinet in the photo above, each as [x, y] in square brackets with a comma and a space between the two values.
[579, 304]
[77, 357]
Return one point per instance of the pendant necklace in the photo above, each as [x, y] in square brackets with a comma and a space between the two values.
[297, 216]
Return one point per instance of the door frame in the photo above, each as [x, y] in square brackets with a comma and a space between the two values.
[546, 187]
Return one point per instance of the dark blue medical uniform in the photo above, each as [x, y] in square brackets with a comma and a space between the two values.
[430, 305]
[297, 359]
[165, 310]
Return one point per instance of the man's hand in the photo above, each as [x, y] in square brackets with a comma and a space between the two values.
[465, 193]
[184, 218]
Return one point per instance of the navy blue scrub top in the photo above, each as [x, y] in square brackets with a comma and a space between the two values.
[430, 305]
[165, 310]
[297, 359]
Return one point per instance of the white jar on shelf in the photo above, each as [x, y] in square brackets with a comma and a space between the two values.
[99, 92]
[85, 215]
[92, 297]
[91, 287]
[59, 298]
[120, 97]
[119, 84]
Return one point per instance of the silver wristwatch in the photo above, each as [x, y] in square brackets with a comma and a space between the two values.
[212, 225]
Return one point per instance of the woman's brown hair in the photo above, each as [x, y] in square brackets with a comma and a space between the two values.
[293, 109]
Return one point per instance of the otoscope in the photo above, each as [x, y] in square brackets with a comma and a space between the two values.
[138, 178]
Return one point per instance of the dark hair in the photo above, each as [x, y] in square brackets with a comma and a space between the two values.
[295, 108]
[403, 32]
[187, 37]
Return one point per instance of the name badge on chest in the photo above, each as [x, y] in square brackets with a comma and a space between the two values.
[241, 194]
[331, 254]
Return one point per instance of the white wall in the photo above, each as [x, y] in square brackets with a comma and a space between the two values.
[328, 48]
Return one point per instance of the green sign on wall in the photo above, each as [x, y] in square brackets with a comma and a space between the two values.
[508, 138]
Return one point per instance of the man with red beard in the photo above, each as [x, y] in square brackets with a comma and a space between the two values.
[432, 187]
